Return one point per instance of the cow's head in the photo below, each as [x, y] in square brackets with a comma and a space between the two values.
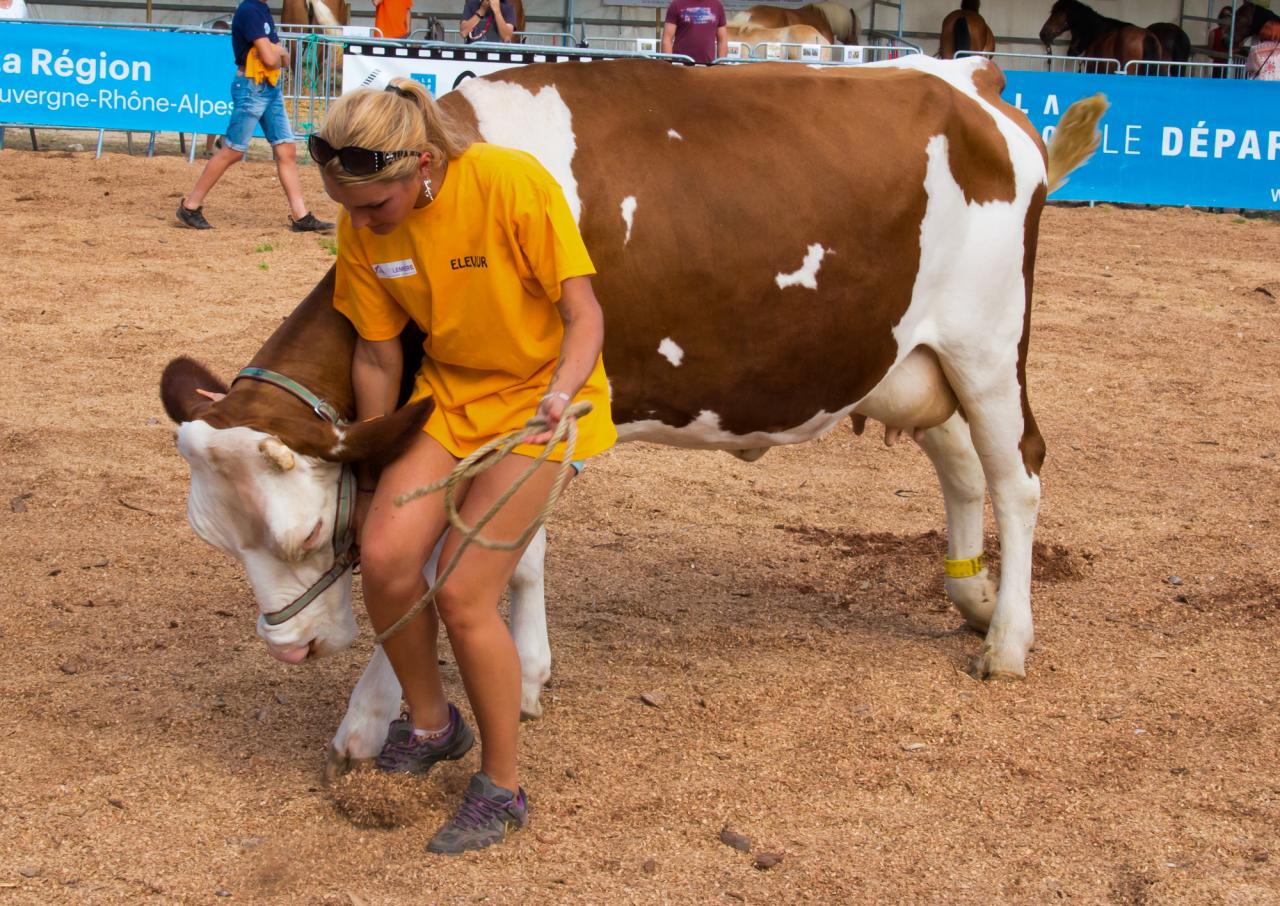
[264, 489]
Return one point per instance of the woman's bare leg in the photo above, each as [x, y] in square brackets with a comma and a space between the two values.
[395, 545]
[468, 606]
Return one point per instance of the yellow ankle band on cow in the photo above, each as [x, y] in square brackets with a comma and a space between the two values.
[964, 569]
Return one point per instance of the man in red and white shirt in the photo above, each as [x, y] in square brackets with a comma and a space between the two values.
[697, 29]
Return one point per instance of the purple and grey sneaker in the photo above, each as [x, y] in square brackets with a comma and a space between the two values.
[404, 753]
[487, 815]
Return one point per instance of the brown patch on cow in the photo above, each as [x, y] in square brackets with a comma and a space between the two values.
[858, 192]
[978, 154]
[989, 81]
[1032, 444]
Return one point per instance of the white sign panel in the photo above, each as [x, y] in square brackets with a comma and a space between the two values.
[441, 70]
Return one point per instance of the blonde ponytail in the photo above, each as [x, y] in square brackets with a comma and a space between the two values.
[404, 117]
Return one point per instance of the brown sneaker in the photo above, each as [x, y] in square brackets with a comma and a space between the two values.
[309, 223]
[193, 218]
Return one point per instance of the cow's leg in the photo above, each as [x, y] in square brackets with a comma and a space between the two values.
[1010, 449]
[375, 702]
[950, 448]
[529, 624]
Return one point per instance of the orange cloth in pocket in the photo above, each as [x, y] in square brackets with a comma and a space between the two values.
[253, 69]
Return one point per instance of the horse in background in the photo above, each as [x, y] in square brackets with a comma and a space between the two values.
[753, 36]
[965, 29]
[834, 21]
[1175, 44]
[315, 12]
[1096, 35]
[1254, 21]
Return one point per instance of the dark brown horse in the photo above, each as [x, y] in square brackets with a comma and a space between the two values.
[1253, 20]
[1175, 44]
[965, 29]
[1095, 35]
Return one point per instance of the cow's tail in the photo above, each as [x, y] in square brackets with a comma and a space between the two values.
[1075, 139]
[960, 34]
[970, 6]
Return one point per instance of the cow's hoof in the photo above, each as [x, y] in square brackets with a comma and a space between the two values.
[991, 665]
[975, 598]
[336, 764]
[530, 705]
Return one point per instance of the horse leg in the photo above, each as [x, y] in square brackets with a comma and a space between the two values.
[950, 448]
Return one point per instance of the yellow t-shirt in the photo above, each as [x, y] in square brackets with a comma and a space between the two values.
[479, 271]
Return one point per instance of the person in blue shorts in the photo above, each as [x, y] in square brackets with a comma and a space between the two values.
[255, 100]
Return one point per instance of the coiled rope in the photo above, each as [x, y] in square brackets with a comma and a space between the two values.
[482, 460]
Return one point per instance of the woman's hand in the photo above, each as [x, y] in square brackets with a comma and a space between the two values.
[550, 410]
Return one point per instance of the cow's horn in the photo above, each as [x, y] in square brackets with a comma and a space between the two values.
[277, 453]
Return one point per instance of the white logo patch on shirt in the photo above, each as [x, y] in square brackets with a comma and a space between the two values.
[390, 270]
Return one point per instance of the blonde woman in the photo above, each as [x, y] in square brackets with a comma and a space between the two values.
[476, 244]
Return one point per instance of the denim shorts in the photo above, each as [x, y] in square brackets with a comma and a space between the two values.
[251, 104]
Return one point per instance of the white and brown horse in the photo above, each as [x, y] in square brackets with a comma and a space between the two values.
[753, 36]
[834, 21]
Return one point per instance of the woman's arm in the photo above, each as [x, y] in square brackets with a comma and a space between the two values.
[579, 350]
[376, 367]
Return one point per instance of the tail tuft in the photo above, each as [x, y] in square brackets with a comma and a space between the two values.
[970, 5]
[1075, 139]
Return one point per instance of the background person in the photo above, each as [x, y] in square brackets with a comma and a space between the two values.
[476, 244]
[487, 20]
[255, 99]
[696, 28]
[393, 17]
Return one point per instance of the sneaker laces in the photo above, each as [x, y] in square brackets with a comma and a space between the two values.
[478, 810]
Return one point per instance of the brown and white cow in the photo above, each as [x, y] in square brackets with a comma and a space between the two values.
[765, 273]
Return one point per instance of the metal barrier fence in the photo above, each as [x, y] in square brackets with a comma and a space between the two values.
[1108, 66]
[1040, 62]
[814, 54]
[1199, 70]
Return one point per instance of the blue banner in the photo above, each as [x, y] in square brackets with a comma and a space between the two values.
[114, 78]
[1176, 141]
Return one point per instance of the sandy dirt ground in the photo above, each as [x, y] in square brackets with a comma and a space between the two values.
[788, 614]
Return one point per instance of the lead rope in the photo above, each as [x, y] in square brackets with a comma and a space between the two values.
[482, 460]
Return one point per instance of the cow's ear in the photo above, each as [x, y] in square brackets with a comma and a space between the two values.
[382, 439]
[179, 386]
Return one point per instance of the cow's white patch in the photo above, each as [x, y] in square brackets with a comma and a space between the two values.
[705, 433]
[671, 133]
[807, 276]
[671, 351]
[628, 214]
[541, 124]
[390, 270]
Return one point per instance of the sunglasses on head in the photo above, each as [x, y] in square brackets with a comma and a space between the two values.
[355, 160]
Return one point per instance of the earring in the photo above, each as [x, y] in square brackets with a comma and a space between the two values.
[426, 187]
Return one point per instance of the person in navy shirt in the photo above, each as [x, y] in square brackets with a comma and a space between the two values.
[697, 29]
[255, 100]
[487, 20]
